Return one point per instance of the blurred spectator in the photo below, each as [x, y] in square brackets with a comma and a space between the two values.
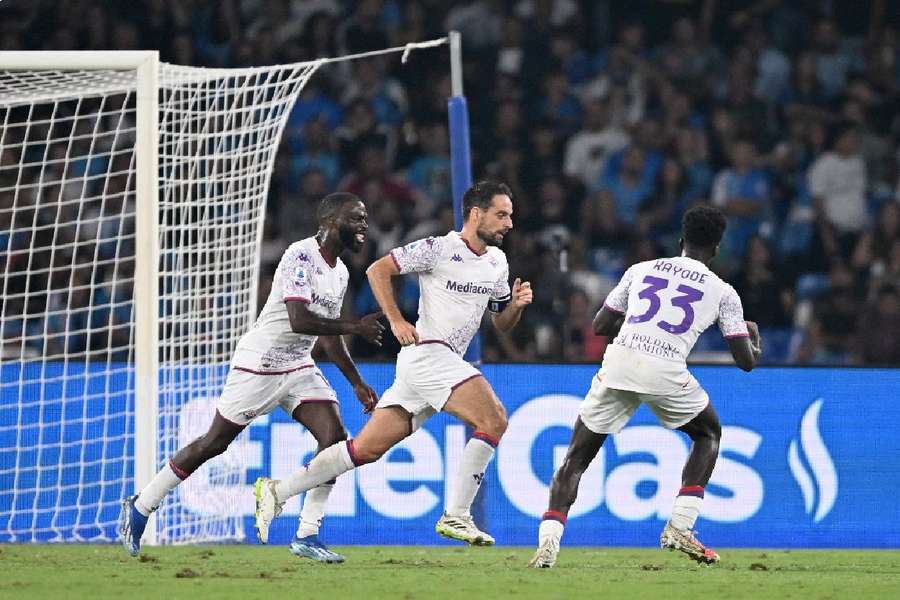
[879, 329]
[589, 148]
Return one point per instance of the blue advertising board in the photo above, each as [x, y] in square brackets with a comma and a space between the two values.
[809, 458]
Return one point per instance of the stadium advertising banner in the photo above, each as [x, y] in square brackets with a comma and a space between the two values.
[809, 458]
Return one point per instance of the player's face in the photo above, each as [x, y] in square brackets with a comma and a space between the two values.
[495, 222]
[352, 225]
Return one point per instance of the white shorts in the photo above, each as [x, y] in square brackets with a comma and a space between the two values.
[426, 376]
[607, 410]
[248, 395]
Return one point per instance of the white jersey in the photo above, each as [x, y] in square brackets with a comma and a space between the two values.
[303, 275]
[456, 284]
[667, 304]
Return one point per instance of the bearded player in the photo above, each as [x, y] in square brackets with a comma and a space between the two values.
[272, 366]
[460, 275]
[658, 310]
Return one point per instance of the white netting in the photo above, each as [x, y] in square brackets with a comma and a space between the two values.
[67, 250]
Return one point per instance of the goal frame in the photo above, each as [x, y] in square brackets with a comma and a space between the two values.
[146, 273]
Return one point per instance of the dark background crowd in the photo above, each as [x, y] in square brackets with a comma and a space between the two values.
[608, 119]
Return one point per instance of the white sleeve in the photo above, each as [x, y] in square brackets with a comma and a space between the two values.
[294, 271]
[617, 300]
[731, 315]
[818, 178]
[419, 256]
[502, 294]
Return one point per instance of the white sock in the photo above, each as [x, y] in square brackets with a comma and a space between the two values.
[313, 510]
[327, 465]
[475, 458]
[687, 507]
[159, 487]
[550, 529]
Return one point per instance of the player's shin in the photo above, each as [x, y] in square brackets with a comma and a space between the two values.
[477, 454]
[687, 507]
[313, 510]
[327, 465]
[166, 480]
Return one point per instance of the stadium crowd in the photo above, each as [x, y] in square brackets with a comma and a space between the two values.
[608, 119]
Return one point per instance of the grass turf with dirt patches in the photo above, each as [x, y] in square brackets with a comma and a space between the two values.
[85, 571]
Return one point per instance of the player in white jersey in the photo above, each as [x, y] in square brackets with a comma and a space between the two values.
[656, 313]
[272, 366]
[460, 275]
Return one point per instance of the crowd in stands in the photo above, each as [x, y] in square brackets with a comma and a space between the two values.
[608, 119]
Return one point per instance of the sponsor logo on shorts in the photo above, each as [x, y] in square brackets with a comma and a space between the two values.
[249, 414]
[456, 258]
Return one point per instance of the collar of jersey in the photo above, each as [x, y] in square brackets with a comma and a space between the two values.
[327, 262]
[471, 249]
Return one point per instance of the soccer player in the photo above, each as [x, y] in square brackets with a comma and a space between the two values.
[460, 274]
[272, 367]
[656, 313]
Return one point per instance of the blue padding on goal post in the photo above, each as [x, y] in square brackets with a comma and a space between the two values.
[461, 180]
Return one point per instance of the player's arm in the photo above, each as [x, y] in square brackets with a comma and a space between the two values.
[307, 322]
[420, 256]
[747, 349]
[742, 336]
[608, 322]
[506, 317]
[611, 316]
[338, 353]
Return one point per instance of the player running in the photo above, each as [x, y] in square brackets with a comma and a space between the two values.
[460, 274]
[657, 310]
[272, 367]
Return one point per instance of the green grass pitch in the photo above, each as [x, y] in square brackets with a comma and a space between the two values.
[72, 571]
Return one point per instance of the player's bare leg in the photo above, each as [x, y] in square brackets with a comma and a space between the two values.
[474, 403]
[136, 509]
[705, 433]
[582, 450]
[386, 427]
[323, 420]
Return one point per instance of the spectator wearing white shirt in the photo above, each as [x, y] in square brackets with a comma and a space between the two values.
[837, 182]
[588, 149]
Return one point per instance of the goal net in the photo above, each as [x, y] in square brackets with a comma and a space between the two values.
[73, 226]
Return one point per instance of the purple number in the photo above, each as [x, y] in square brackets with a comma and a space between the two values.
[688, 297]
[654, 284]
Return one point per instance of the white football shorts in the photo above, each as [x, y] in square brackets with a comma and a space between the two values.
[426, 376]
[248, 395]
[607, 410]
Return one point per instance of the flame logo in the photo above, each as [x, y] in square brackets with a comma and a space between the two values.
[821, 467]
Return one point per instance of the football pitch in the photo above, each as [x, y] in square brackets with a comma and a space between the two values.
[371, 572]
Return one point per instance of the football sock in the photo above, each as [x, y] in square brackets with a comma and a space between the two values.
[313, 510]
[687, 507]
[159, 487]
[551, 527]
[477, 454]
[327, 465]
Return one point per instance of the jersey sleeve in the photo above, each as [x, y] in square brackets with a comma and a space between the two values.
[501, 296]
[420, 256]
[295, 273]
[731, 315]
[617, 300]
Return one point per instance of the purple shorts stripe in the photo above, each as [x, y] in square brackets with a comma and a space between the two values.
[554, 516]
[459, 383]
[615, 310]
[441, 342]
[487, 439]
[246, 370]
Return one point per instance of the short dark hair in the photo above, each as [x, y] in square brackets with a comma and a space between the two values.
[837, 130]
[332, 203]
[703, 226]
[481, 194]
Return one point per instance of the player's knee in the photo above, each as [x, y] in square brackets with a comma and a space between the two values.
[364, 455]
[332, 437]
[494, 425]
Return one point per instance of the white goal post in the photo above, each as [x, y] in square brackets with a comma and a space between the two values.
[132, 198]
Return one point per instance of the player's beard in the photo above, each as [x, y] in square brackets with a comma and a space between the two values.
[491, 238]
[347, 235]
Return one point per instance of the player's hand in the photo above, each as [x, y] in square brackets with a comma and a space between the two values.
[366, 396]
[521, 293]
[405, 332]
[755, 339]
[370, 328]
